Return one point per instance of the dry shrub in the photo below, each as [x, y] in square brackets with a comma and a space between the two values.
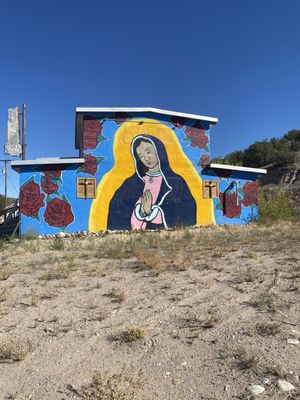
[133, 333]
[269, 302]
[250, 275]
[268, 329]
[213, 317]
[60, 272]
[150, 260]
[5, 274]
[3, 295]
[57, 244]
[115, 248]
[246, 359]
[117, 387]
[13, 348]
[117, 295]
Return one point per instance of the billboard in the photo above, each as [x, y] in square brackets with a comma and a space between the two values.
[13, 146]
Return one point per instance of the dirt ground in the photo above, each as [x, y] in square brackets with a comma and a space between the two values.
[189, 314]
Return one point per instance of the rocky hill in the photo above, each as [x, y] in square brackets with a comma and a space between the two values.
[287, 178]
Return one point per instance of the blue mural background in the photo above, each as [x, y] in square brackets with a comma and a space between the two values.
[99, 161]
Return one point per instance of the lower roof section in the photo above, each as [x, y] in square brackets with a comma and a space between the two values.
[238, 168]
[17, 165]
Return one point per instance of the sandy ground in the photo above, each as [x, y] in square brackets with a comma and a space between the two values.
[188, 314]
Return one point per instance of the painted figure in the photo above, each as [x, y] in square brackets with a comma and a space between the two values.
[154, 197]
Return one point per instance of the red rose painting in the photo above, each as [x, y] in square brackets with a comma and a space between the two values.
[31, 199]
[197, 137]
[48, 184]
[58, 213]
[91, 133]
[55, 173]
[250, 193]
[91, 164]
[231, 206]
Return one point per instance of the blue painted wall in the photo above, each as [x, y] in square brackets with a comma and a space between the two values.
[52, 195]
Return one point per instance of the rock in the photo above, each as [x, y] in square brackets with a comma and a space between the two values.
[256, 389]
[40, 237]
[293, 341]
[184, 363]
[285, 386]
[265, 381]
[61, 234]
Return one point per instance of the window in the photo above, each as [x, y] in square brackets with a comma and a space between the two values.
[86, 188]
[210, 189]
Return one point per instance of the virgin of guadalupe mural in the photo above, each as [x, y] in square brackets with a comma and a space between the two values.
[154, 197]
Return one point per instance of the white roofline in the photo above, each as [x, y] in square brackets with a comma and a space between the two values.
[237, 168]
[47, 161]
[147, 109]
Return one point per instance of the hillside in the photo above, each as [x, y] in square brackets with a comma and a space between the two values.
[281, 157]
[282, 151]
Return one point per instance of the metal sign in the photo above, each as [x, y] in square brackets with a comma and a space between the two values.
[13, 146]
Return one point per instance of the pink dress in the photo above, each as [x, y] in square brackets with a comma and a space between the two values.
[138, 221]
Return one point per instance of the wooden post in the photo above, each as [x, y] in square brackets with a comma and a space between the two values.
[23, 131]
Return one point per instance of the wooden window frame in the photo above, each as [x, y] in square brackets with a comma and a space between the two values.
[210, 183]
[85, 182]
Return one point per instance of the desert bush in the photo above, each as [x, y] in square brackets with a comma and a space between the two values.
[117, 295]
[134, 333]
[117, 387]
[269, 301]
[274, 207]
[58, 244]
[13, 348]
[268, 329]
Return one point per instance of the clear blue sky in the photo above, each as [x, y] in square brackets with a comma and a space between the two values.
[234, 59]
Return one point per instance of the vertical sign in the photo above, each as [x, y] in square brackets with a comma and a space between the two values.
[13, 146]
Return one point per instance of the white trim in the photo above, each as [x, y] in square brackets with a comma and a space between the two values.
[47, 161]
[213, 120]
[236, 168]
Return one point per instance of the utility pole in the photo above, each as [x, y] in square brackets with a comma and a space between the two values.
[5, 179]
[5, 160]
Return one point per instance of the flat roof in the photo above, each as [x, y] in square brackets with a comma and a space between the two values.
[213, 120]
[237, 168]
[46, 161]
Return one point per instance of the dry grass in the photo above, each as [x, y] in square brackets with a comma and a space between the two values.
[5, 273]
[116, 387]
[246, 359]
[269, 301]
[133, 333]
[197, 291]
[13, 348]
[118, 295]
[268, 329]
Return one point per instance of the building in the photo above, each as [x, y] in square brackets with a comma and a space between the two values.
[138, 168]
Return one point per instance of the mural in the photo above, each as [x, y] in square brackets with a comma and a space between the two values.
[154, 196]
[152, 182]
[57, 211]
[148, 173]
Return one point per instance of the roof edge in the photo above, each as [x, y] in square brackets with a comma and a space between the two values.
[237, 168]
[45, 161]
[213, 120]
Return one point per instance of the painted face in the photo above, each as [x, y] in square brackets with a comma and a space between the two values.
[147, 154]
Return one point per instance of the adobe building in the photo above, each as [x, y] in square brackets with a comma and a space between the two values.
[137, 168]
